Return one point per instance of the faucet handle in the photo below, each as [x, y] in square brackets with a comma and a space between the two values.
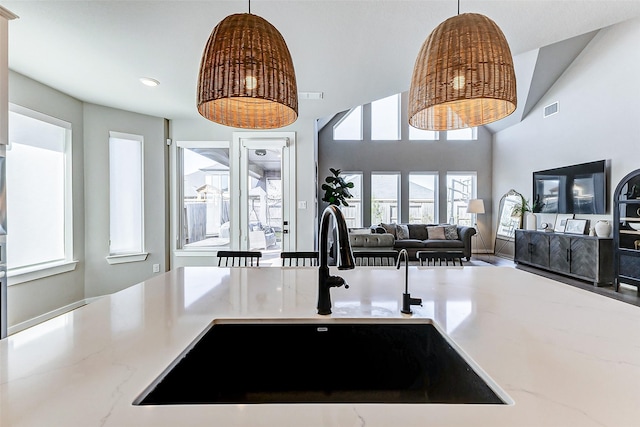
[336, 282]
[407, 302]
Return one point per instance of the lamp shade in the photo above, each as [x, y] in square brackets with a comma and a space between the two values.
[463, 76]
[246, 78]
[475, 206]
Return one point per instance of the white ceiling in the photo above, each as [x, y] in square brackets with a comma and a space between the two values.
[352, 51]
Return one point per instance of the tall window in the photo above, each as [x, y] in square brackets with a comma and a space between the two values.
[126, 225]
[385, 189]
[423, 193]
[38, 168]
[353, 212]
[385, 118]
[416, 134]
[468, 134]
[205, 210]
[350, 126]
[460, 188]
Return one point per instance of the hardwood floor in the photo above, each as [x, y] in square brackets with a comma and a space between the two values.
[626, 293]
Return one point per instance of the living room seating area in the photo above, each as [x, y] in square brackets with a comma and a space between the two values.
[414, 238]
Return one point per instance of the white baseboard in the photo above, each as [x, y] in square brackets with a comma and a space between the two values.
[50, 315]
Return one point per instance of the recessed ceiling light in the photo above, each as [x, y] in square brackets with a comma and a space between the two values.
[149, 81]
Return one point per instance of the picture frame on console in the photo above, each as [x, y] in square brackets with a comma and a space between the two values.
[575, 226]
[561, 222]
[546, 222]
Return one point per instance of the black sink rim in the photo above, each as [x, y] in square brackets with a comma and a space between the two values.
[488, 381]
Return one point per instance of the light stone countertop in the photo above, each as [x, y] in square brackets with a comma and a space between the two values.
[564, 356]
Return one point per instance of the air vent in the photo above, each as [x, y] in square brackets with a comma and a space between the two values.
[310, 95]
[550, 109]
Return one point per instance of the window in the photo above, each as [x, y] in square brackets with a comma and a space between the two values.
[385, 189]
[126, 224]
[468, 134]
[205, 195]
[423, 193]
[460, 188]
[38, 166]
[385, 118]
[416, 134]
[353, 212]
[350, 126]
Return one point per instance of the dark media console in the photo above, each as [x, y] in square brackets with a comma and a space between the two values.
[584, 257]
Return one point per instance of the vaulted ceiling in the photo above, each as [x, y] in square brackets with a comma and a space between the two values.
[351, 51]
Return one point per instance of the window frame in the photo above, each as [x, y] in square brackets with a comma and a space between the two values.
[471, 195]
[436, 135]
[436, 193]
[373, 120]
[398, 209]
[359, 220]
[180, 250]
[474, 134]
[142, 254]
[67, 263]
[344, 118]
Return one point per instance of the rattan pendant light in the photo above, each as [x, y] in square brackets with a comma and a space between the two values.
[463, 76]
[246, 78]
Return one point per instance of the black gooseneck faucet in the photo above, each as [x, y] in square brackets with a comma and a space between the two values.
[345, 259]
[407, 301]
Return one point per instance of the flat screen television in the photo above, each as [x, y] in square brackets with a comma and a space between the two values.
[576, 189]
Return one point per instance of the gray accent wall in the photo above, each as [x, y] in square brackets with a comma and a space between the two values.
[405, 156]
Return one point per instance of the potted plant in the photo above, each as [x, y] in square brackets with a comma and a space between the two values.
[336, 189]
[524, 211]
[521, 209]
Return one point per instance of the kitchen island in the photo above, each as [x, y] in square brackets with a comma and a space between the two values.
[562, 355]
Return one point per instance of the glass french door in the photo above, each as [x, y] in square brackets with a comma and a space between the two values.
[264, 216]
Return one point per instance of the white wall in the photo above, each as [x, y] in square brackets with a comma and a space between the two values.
[102, 278]
[599, 117]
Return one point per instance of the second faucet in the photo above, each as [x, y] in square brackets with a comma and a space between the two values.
[407, 301]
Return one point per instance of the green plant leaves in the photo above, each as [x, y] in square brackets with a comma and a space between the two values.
[336, 189]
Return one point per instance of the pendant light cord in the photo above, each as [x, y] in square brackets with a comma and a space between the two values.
[458, 6]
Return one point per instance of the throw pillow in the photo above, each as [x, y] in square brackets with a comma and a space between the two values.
[436, 233]
[390, 228]
[402, 232]
[451, 232]
[418, 231]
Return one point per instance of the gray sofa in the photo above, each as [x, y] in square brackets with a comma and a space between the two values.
[385, 238]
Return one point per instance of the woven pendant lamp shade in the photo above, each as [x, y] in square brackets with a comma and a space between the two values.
[463, 76]
[247, 79]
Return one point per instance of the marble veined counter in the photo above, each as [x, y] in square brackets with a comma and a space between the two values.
[564, 356]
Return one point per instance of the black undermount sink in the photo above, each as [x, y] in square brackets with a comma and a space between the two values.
[339, 361]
